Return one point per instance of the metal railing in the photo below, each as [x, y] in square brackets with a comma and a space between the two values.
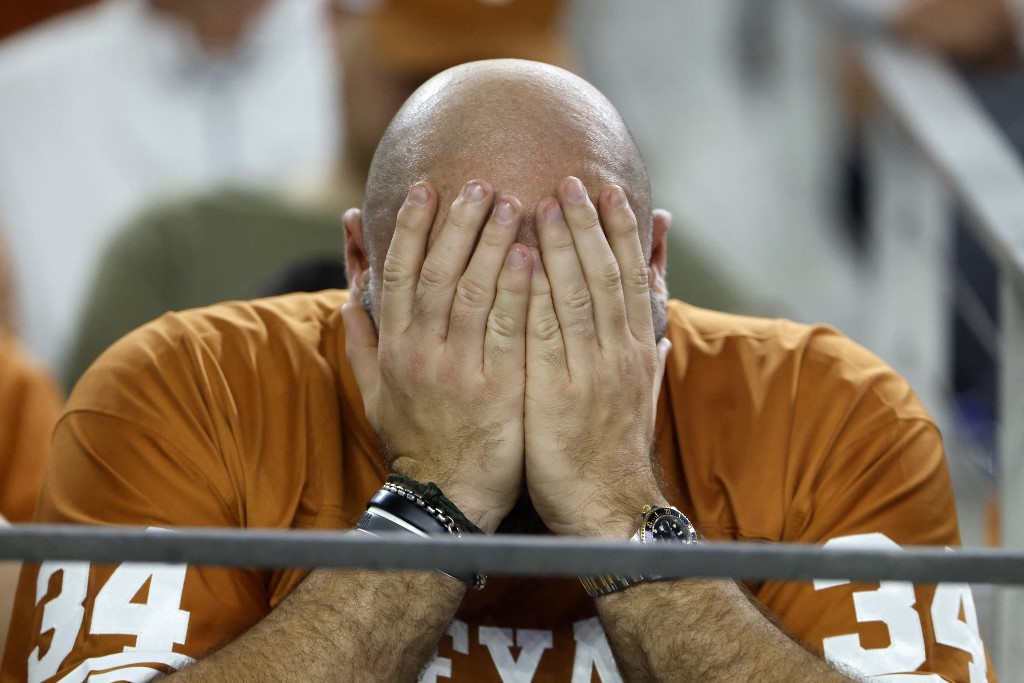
[941, 121]
[505, 555]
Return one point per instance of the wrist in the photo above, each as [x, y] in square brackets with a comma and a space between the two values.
[614, 515]
[621, 523]
[467, 499]
[487, 517]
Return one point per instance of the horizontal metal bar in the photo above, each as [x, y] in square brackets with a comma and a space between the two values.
[503, 555]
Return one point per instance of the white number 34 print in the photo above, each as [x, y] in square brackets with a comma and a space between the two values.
[158, 624]
[892, 603]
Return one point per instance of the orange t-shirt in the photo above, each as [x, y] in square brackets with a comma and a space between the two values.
[30, 404]
[247, 415]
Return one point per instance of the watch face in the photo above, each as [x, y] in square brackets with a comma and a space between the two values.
[668, 528]
[668, 524]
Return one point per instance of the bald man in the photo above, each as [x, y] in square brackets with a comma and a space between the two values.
[504, 339]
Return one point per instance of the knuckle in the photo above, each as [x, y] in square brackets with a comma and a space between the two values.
[407, 221]
[583, 329]
[624, 225]
[590, 223]
[638, 275]
[562, 243]
[472, 292]
[395, 272]
[422, 304]
[608, 276]
[546, 329]
[502, 325]
[498, 348]
[493, 239]
[462, 218]
[461, 319]
[433, 274]
[577, 298]
[552, 355]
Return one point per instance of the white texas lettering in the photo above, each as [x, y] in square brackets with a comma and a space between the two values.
[593, 652]
[442, 666]
[532, 643]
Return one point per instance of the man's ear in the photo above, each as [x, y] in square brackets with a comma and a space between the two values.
[659, 252]
[357, 260]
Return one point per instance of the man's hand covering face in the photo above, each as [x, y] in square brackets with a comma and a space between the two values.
[444, 384]
[507, 361]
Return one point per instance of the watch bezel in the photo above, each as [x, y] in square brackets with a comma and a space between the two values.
[649, 518]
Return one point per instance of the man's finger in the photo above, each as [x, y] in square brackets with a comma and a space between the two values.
[545, 348]
[624, 238]
[474, 295]
[505, 340]
[404, 259]
[597, 261]
[569, 290]
[361, 347]
[447, 258]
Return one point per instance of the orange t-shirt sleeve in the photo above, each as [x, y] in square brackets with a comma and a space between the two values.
[142, 444]
[29, 405]
[879, 480]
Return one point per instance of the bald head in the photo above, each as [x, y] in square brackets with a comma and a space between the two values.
[522, 126]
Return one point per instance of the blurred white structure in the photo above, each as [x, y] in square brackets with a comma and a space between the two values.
[748, 163]
[106, 108]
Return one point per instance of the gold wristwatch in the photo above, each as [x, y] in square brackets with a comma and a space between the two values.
[658, 524]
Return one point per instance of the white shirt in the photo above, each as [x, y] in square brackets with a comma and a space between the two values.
[105, 109]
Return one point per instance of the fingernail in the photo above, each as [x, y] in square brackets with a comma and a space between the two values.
[418, 196]
[553, 212]
[538, 266]
[504, 212]
[617, 198]
[473, 192]
[575, 192]
[516, 257]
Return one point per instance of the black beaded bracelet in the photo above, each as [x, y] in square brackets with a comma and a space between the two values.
[433, 496]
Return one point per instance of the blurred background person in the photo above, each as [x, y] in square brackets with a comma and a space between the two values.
[108, 106]
[222, 245]
[980, 32]
[29, 406]
[238, 242]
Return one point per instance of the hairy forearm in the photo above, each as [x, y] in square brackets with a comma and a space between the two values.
[701, 630]
[342, 626]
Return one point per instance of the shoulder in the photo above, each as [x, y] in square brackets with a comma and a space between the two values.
[814, 360]
[226, 347]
